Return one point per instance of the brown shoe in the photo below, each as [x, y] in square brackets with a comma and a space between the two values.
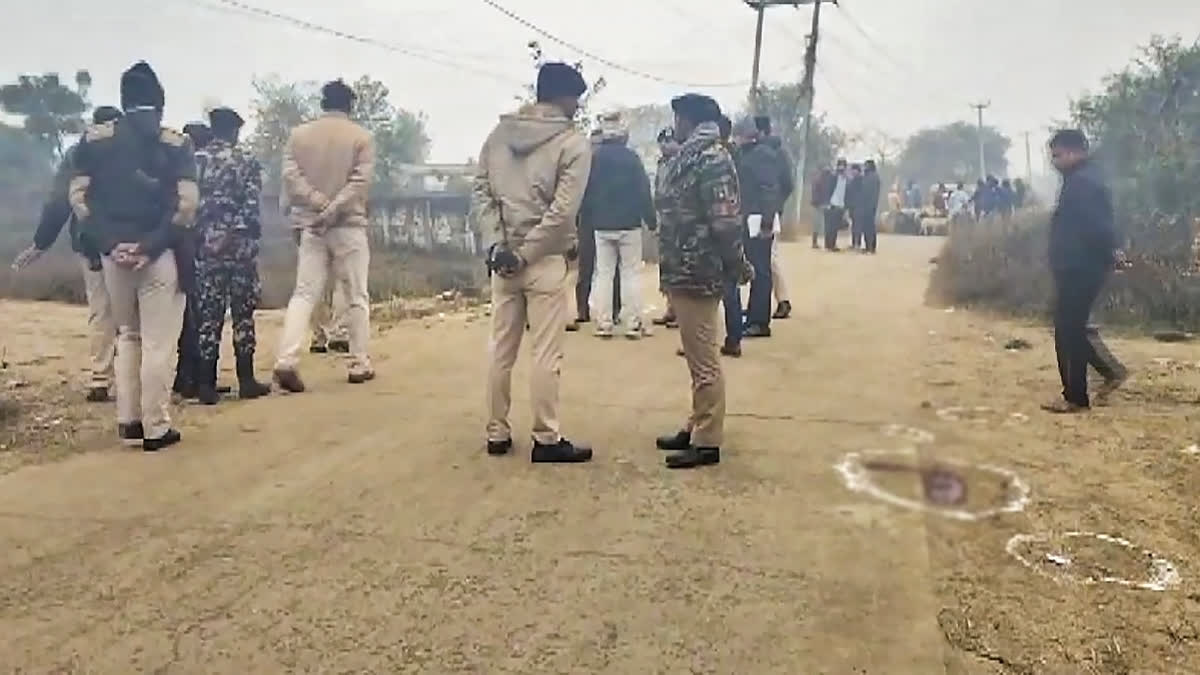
[360, 378]
[1105, 391]
[289, 381]
[1061, 407]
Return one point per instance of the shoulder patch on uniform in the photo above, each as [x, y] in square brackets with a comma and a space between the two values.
[96, 132]
[172, 137]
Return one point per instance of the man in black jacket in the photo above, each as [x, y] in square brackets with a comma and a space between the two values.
[56, 213]
[1083, 251]
[783, 308]
[616, 204]
[760, 179]
[133, 187]
[866, 207]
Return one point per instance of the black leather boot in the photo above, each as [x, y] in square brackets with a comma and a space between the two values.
[248, 387]
[206, 383]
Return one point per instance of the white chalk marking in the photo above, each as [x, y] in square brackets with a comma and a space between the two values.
[1163, 574]
[1192, 449]
[978, 414]
[858, 478]
[912, 434]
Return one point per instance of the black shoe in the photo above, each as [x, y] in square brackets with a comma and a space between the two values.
[248, 387]
[289, 381]
[318, 349]
[339, 346]
[573, 326]
[694, 457]
[131, 433]
[562, 452]
[499, 448]
[680, 440]
[732, 350]
[783, 311]
[97, 395]
[206, 387]
[165, 441]
[584, 319]
[756, 331]
[361, 377]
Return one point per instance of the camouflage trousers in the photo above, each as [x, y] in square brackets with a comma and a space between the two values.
[232, 285]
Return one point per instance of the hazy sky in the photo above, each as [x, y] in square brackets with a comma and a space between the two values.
[905, 65]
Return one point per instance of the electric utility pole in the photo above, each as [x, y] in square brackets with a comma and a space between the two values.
[979, 107]
[1028, 162]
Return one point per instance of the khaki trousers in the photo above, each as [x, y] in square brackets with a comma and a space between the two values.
[329, 317]
[538, 295]
[778, 277]
[147, 308]
[698, 330]
[344, 253]
[102, 332]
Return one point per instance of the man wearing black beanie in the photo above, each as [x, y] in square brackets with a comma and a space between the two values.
[133, 188]
[700, 255]
[55, 214]
[533, 170]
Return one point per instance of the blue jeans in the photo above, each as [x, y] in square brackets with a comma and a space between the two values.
[733, 313]
[758, 250]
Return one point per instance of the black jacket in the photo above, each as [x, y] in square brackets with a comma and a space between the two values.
[56, 212]
[787, 179]
[133, 179]
[1083, 235]
[618, 191]
[761, 179]
[866, 202]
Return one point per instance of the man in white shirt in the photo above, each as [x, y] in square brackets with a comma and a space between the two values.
[835, 212]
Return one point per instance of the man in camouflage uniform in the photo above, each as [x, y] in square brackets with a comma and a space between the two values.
[700, 252]
[228, 229]
[133, 187]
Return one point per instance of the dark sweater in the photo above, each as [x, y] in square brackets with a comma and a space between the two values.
[1083, 235]
[133, 176]
[618, 191]
[761, 179]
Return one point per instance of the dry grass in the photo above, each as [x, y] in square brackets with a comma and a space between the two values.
[396, 272]
[1004, 267]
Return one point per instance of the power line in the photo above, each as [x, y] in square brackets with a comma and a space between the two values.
[603, 61]
[334, 32]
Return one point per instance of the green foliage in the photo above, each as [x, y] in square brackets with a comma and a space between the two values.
[51, 110]
[951, 153]
[785, 105]
[1145, 127]
[279, 106]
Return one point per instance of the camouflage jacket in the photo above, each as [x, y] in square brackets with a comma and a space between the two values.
[699, 215]
[228, 222]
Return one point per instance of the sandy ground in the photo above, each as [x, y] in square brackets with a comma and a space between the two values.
[362, 529]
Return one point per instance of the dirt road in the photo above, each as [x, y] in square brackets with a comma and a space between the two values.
[354, 530]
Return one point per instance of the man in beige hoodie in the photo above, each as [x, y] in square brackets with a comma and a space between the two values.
[327, 169]
[533, 169]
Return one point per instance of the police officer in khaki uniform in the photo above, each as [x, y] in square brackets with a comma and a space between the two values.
[133, 187]
[533, 170]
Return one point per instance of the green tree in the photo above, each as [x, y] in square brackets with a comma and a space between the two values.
[278, 107]
[951, 153]
[51, 109]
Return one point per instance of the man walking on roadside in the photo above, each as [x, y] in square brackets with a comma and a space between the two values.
[327, 169]
[533, 170]
[133, 186]
[700, 247]
[616, 204]
[787, 182]
[1083, 251]
[866, 208]
[56, 212]
[228, 230]
[187, 370]
[829, 195]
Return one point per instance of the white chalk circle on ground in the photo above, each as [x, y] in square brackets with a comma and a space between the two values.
[1161, 573]
[911, 434]
[979, 413]
[857, 477]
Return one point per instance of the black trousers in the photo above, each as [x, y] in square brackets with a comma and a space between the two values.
[835, 217]
[587, 269]
[1076, 346]
[188, 366]
[758, 250]
[869, 230]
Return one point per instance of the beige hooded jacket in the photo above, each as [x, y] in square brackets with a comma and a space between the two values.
[327, 169]
[533, 169]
